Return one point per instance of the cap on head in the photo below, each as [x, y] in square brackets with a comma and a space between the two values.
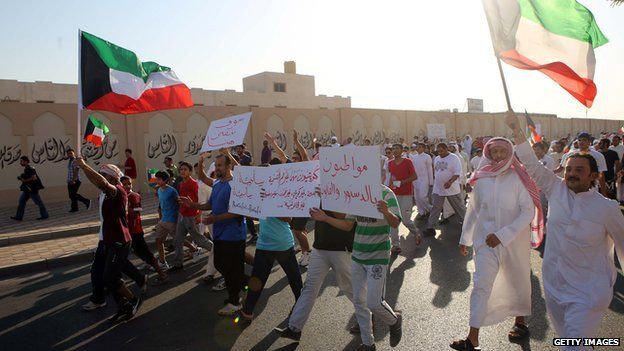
[584, 135]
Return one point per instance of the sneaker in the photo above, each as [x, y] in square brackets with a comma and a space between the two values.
[304, 260]
[229, 310]
[90, 306]
[364, 347]
[88, 204]
[288, 333]
[164, 265]
[220, 285]
[429, 232]
[396, 330]
[197, 255]
[243, 317]
[160, 280]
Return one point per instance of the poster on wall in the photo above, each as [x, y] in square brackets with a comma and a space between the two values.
[351, 180]
[226, 132]
[436, 131]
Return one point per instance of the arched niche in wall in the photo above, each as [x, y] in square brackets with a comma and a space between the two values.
[110, 149]
[47, 148]
[193, 137]
[394, 129]
[357, 131]
[325, 130]
[302, 126]
[377, 133]
[160, 141]
[275, 126]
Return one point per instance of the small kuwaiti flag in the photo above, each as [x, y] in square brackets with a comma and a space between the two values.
[555, 37]
[114, 79]
[96, 131]
[532, 132]
[151, 177]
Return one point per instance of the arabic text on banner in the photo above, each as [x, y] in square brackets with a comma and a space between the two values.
[226, 132]
[351, 180]
[246, 184]
[290, 189]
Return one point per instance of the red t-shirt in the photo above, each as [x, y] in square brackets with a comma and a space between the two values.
[134, 217]
[132, 171]
[115, 217]
[189, 188]
[401, 171]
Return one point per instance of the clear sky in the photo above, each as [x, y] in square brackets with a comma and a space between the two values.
[418, 55]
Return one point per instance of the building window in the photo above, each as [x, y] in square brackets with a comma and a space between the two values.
[279, 87]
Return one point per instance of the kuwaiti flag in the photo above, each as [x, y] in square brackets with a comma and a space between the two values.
[96, 131]
[114, 79]
[556, 37]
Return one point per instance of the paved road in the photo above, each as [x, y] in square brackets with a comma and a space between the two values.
[431, 284]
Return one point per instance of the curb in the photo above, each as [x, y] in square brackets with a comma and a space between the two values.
[27, 239]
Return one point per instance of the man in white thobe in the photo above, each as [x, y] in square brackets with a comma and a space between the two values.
[423, 164]
[447, 209]
[497, 225]
[583, 227]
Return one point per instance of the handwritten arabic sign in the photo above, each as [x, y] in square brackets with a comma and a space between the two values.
[436, 131]
[290, 189]
[351, 180]
[245, 195]
[226, 132]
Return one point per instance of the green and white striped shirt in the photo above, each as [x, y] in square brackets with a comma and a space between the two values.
[371, 244]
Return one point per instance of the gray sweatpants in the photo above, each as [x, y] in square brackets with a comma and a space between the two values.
[369, 282]
[456, 202]
[321, 261]
[187, 225]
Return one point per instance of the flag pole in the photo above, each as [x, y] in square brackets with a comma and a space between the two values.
[502, 75]
[79, 102]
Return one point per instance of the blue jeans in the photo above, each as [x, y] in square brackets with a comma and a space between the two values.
[263, 263]
[36, 199]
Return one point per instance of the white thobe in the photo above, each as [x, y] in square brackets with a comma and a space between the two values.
[447, 209]
[578, 269]
[502, 277]
[423, 165]
[474, 163]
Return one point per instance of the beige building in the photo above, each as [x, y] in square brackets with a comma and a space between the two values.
[39, 120]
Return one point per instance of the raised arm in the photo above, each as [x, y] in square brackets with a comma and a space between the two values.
[228, 154]
[302, 151]
[543, 177]
[278, 150]
[201, 173]
[96, 178]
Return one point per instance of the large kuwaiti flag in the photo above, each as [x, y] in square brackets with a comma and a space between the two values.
[556, 37]
[114, 79]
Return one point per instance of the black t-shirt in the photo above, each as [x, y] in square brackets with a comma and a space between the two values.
[32, 186]
[329, 238]
[610, 157]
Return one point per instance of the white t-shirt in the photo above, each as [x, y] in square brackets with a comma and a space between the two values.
[101, 201]
[599, 157]
[474, 163]
[549, 162]
[445, 168]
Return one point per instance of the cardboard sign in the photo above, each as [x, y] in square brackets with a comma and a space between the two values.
[226, 132]
[436, 131]
[351, 180]
[246, 184]
[290, 189]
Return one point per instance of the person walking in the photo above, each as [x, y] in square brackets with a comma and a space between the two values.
[30, 187]
[73, 183]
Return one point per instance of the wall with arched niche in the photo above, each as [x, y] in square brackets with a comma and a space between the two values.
[193, 138]
[275, 127]
[10, 152]
[306, 134]
[325, 130]
[111, 150]
[160, 141]
[357, 131]
[47, 148]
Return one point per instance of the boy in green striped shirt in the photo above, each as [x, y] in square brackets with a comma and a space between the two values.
[369, 266]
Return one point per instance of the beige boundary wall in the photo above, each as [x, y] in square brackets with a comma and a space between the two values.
[42, 131]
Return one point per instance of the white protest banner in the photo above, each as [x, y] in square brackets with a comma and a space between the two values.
[245, 195]
[226, 132]
[436, 131]
[290, 189]
[351, 180]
